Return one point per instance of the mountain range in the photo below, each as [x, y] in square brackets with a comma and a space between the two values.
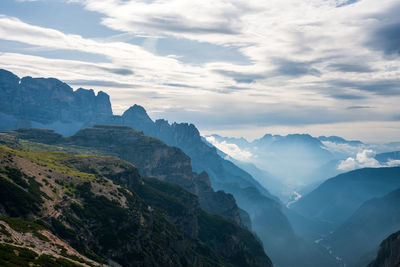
[95, 210]
[169, 181]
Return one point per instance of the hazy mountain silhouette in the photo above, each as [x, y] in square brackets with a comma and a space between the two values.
[335, 200]
[366, 228]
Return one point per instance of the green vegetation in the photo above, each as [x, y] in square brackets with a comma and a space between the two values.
[47, 260]
[15, 200]
[74, 257]
[172, 190]
[214, 229]
[107, 213]
[4, 231]
[54, 160]
[25, 227]
[15, 175]
[161, 200]
[12, 256]
[20, 194]
[20, 178]
[62, 230]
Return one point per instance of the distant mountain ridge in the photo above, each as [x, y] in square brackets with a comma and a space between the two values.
[293, 159]
[358, 209]
[364, 230]
[385, 157]
[335, 200]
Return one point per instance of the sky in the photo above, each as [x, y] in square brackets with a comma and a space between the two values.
[236, 68]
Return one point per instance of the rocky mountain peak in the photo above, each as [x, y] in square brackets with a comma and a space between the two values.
[136, 113]
[136, 110]
[7, 78]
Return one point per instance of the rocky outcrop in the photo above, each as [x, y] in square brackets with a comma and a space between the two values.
[43, 101]
[389, 252]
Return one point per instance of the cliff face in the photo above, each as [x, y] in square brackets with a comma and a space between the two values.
[389, 252]
[38, 101]
[103, 210]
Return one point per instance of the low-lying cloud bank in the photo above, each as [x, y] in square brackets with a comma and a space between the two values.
[230, 149]
[365, 159]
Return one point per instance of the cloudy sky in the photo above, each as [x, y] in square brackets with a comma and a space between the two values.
[233, 67]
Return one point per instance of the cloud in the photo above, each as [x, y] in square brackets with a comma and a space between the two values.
[119, 71]
[365, 159]
[342, 67]
[260, 63]
[241, 77]
[347, 96]
[100, 83]
[384, 34]
[343, 148]
[362, 160]
[387, 38]
[231, 150]
[179, 85]
[358, 107]
[195, 52]
[388, 87]
[175, 17]
[346, 2]
[393, 163]
[295, 68]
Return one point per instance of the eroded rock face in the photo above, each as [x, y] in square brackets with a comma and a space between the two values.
[48, 100]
